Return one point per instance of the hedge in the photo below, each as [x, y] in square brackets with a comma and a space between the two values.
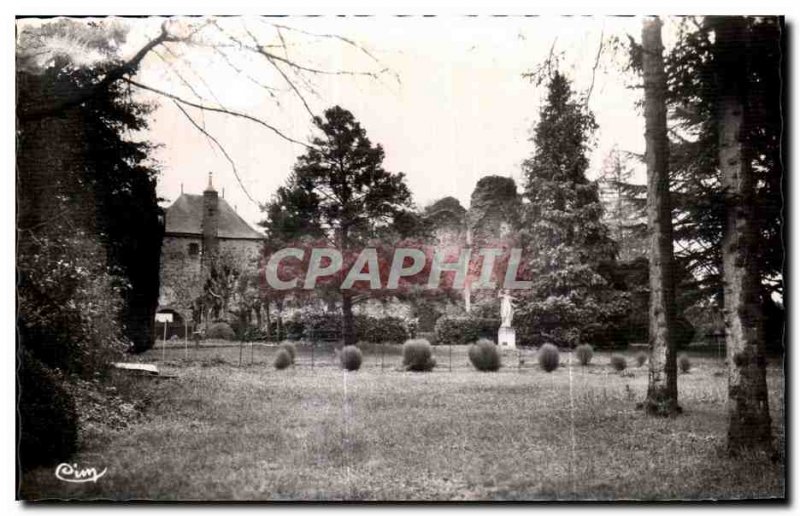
[328, 326]
[465, 330]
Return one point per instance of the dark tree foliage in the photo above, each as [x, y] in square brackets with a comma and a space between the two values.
[48, 422]
[128, 214]
[110, 189]
[445, 213]
[339, 191]
[693, 87]
[570, 301]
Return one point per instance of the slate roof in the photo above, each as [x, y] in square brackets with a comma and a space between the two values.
[185, 217]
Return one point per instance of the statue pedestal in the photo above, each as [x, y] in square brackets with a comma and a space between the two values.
[506, 337]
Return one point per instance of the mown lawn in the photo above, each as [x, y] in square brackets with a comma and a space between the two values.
[223, 431]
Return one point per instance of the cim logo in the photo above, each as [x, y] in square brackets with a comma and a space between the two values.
[71, 473]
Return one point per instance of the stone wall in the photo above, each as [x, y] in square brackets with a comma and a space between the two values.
[182, 274]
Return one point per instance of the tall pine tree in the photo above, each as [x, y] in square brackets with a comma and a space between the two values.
[567, 246]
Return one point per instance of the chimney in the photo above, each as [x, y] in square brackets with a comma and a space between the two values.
[210, 222]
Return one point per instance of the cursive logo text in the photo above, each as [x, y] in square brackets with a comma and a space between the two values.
[71, 473]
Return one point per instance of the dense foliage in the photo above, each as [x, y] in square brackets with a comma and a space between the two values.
[418, 355]
[584, 352]
[570, 301]
[328, 326]
[340, 191]
[549, 358]
[282, 359]
[465, 330]
[618, 362]
[220, 330]
[48, 424]
[484, 355]
[351, 358]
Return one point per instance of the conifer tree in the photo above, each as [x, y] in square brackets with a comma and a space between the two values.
[566, 244]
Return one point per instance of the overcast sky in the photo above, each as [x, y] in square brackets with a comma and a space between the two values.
[450, 107]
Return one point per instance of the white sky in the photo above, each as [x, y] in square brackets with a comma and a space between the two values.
[453, 107]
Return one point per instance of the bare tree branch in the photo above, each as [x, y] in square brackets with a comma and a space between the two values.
[127, 68]
[221, 148]
[594, 68]
[216, 110]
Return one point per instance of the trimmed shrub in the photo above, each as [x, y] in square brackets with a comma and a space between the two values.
[283, 359]
[418, 355]
[618, 362]
[464, 330]
[484, 355]
[584, 352]
[220, 330]
[48, 421]
[289, 347]
[641, 358]
[549, 358]
[350, 357]
[684, 364]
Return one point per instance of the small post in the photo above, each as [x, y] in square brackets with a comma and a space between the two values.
[450, 357]
[164, 344]
[251, 352]
[519, 360]
[382, 346]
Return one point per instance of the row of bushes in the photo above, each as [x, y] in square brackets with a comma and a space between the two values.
[328, 326]
[483, 354]
[320, 327]
[466, 330]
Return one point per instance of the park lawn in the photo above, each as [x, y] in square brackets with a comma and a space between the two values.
[218, 430]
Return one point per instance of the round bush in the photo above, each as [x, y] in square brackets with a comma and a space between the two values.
[641, 358]
[549, 358]
[289, 347]
[684, 363]
[418, 355]
[618, 362]
[584, 353]
[283, 359]
[484, 355]
[350, 357]
[48, 421]
[220, 330]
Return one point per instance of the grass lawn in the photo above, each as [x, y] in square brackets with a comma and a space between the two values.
[220, 431]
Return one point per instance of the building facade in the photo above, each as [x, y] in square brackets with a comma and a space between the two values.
[197, 230]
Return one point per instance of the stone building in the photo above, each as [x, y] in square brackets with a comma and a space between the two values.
[196, 229]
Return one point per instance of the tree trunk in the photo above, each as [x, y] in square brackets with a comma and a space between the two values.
[662, 387]
[749, 425]
[348, 326]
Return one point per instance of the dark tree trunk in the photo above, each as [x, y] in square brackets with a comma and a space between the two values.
[749, 425]
[348, 326]
[662, 387]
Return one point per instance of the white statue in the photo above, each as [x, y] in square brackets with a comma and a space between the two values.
[506, 308]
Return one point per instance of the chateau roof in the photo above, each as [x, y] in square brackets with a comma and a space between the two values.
[185, 217]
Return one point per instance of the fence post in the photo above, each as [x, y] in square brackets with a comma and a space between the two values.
[164, 344]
